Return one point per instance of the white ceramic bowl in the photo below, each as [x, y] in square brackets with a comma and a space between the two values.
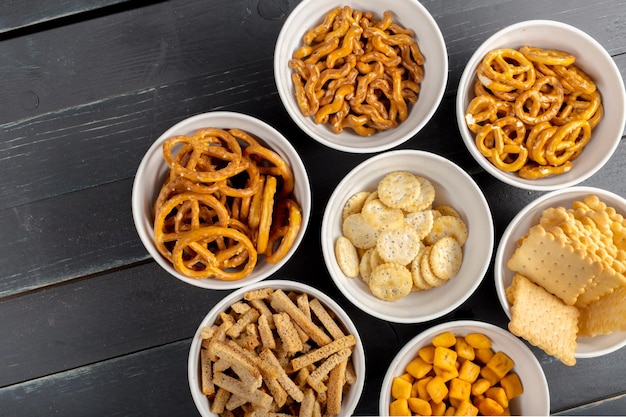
[350, 399]
[452, 186]
[587, 346]
[152, 170]
[410, 14]
[535, 401]
[592, 58]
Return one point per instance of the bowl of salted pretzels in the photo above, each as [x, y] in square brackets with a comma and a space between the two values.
[221, 200]
[360, 76]
[541, 105]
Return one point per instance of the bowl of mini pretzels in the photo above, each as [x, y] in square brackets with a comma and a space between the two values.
[541, 105]
[360, 76]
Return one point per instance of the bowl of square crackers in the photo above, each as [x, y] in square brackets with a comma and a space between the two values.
[464, 368]
[397, 234]
[559, 273]
[276, 346]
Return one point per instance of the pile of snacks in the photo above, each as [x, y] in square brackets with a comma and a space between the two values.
[534, 110]
[276, 352]
[357, 72]
[569, 278]
[396, 241]
[226, 200]
[456, 375]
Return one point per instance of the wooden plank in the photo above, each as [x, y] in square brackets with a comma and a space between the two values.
[612, 406]
[44, 72]
[147, 383]
[21, 15]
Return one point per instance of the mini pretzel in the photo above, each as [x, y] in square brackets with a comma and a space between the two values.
[509, 67]
[557, 104]
[265, 218]
[278, 166]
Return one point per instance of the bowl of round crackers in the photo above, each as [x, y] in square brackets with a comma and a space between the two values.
[221, 200]
[559, 273]
[360, 76]
[397, 231]
[497, 374]
[541, 105]
[272, 347]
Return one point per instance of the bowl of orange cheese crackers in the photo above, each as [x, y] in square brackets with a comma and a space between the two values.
[276, 347]
[464, 367]
[559, 273]
[407, 236]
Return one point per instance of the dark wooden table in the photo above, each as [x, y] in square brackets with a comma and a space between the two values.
[89, 323]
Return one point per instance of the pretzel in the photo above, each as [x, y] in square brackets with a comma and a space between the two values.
[547, 56]
[213, 213]
[541, 102]
[555, 102]
[341, 61]
[210, 264]
[508, 67]
[285, 227]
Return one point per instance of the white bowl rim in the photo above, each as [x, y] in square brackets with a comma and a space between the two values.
[383, 407]
[468, 74]
[296, 116]
[145, 232]
[499, 264]
[358, 355]
[328, 249]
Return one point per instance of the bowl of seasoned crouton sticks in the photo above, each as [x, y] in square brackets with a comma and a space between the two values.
[465, 368]
[407, 236]
[560, 263]
[272, 346]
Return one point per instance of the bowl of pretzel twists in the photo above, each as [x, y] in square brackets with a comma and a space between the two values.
[221, 200]
[276, 347]
[541, 105]
[360, 76]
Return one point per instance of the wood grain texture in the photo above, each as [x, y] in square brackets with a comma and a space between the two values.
[90, 324]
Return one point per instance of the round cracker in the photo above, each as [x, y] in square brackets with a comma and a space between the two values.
[447, 226]
[365, 266]
[426, 196]
[354, 203]
[359, 231]
[418, 280]
[399, 245]
[446, 257]
[447, 210]
[399, 189]
[426, 271]
[422, 222]
[347, 257]
[375, 259]
[390, 282]
[380, 216]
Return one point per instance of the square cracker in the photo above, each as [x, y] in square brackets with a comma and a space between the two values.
[606, 315]
[543, 320]
[550, 262]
